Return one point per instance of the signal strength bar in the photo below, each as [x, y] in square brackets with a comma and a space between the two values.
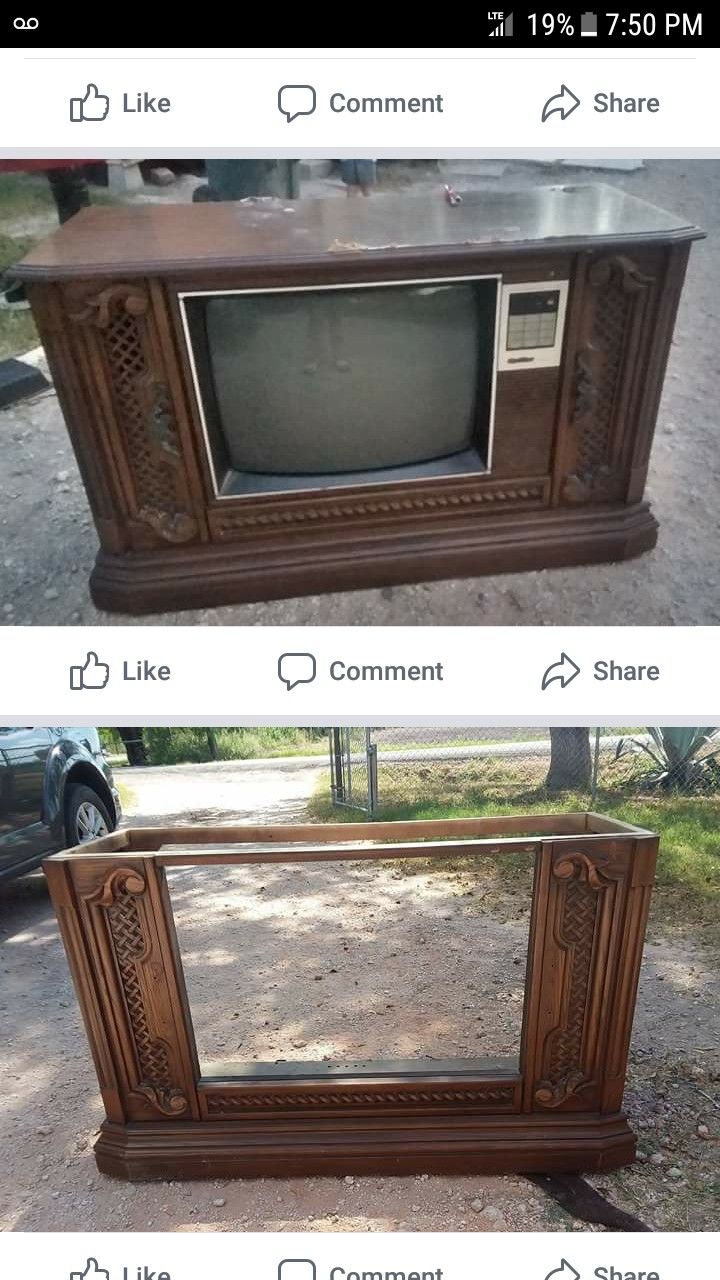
[502, 24]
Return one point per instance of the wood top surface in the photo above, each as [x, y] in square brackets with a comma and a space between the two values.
[162, 239]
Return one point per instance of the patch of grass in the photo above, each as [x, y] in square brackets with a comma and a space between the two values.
[24, 194]
[17, 333]
[192, 746]
[13, 248]
[687, 890]
[127, 795]
[17, 328]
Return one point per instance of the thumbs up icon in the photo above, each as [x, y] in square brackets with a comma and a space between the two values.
[94, 106]
[91, 1272]
[92, 675]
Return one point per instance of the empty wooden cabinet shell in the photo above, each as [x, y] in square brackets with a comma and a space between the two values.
[557, 1106]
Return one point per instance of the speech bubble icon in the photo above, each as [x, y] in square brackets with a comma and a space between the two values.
[296, 668]
[297, 1269]
[296, 100]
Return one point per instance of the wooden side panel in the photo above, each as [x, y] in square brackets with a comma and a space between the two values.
[132, 410]
[579, 954]
[632, 939]
[83, 972]
[72, 376]
[130, 948]
[654, 370]
[612, 340]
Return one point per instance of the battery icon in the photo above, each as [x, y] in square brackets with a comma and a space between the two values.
[588, 24]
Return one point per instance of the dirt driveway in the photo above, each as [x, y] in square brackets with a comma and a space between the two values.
[49, 543]
[336, 961]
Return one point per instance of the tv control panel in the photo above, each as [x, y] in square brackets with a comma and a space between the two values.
[532, 318]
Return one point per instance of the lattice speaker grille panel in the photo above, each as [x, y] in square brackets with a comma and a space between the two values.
[153, 478]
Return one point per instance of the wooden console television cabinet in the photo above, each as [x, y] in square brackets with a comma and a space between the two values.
[268, 399]
[556, 1106]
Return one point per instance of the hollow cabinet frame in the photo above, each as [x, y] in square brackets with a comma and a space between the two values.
[557, 1106]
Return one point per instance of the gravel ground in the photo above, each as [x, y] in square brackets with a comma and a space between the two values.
[343, 925]
[49, 543]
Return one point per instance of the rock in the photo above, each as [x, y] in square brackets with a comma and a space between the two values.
[657, 1157]
[477, 1206]
[219, 1202]
[492, 1217]
[349, 1180]
[160, 176]
[703, 1131]
[675, 1172]
[62, 476]
[43, 1131]
[51, 593]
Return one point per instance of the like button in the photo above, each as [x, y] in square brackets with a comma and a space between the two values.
[94, 106]
[91, 1272]
[92, 675]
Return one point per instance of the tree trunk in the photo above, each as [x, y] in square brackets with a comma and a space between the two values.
[134, 745]
[570, 761]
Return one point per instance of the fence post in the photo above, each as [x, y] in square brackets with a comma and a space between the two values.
[336, 765]
[596, 769]
[372, 773]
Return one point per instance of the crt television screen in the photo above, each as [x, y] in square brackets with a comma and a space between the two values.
[330, 384]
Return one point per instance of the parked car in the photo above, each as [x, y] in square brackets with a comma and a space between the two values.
[56, 790]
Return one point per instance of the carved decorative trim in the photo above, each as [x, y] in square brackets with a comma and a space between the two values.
[227, 1104]
[585, 880]
[228, 522]
[99, 308]
[122, 880]
[618, 266]
[176, 526]
[599, 485]
[616, 282]
[170, 1102]
[579, 865]
[119, 895]
[121, 314]
[586, 388]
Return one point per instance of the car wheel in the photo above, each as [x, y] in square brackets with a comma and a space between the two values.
[86, 816]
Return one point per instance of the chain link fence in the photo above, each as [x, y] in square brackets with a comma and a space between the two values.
[391, 767]
[379, 768]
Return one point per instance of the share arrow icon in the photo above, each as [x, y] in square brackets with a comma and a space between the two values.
[565, 670]
[565, 1271]
[565, 102]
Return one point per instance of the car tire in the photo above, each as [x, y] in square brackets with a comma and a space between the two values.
[86, 815]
